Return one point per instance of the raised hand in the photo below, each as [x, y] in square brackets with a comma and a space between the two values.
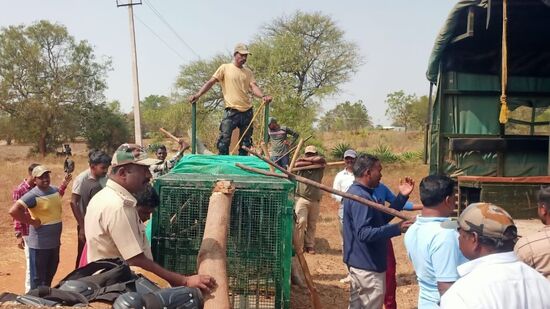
[406, 186]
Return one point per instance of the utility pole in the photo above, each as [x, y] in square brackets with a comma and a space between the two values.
[137, 115]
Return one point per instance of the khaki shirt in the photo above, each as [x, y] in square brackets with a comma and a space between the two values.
[112, 225]
[534, 250]
[235, 84]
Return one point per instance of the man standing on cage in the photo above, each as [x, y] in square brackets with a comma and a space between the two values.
[237, 82]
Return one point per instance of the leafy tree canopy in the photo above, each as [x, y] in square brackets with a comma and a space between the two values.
[46, 79]
[346, 116]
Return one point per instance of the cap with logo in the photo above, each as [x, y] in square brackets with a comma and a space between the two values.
[242, 49]
[39, 170]
[350, 153]
[310, 149]
[485, 219]
[131, 154]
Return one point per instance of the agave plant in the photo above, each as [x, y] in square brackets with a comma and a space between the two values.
[385, 154]
[338, 151]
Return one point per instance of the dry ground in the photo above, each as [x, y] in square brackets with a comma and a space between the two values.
[326, 266]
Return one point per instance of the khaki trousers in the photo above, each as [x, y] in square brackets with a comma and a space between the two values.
[367, 289]
[307, 213]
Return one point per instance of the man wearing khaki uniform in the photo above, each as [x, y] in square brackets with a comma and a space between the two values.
[308, 197]
[112, 225]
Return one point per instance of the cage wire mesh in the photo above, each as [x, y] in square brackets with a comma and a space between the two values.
[258, 244]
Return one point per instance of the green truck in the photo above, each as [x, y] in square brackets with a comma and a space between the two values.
[479, 74]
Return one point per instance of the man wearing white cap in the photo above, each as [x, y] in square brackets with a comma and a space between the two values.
[112, 224]
[44, 217]
[237, 82]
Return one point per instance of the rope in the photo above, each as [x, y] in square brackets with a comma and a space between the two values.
[503, 117]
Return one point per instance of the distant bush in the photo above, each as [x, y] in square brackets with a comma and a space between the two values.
[385, 154]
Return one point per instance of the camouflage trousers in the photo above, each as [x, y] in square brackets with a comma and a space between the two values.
[232, 119]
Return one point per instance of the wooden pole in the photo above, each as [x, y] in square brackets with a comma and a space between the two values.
[379, 207]
[315, 299]
[296, 154]
[212, 258]
[291, 149]
[170, 135]
[266, 154]
[316, 166]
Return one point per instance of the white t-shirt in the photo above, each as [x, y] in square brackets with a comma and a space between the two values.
[497, 281]
[342, 181]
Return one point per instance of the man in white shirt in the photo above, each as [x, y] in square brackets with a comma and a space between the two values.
[342, 181]
[494, 277]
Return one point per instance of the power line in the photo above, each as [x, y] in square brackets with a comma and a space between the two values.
[156, 12]
[162, 40]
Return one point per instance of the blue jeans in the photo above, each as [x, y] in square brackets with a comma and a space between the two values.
[43, 266]
[232, 119]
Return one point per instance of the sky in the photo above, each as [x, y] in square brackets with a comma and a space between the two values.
[394, 37]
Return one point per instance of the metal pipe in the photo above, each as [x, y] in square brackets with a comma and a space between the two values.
[194, 128]
[266, 124]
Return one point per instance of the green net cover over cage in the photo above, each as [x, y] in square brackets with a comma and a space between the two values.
[259, 244]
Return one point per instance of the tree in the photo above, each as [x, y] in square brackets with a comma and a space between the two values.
[418, 111]
[346, 116]
[103, 127]
[299, 60]
[153, 113]
[46, 77]
[399, 108]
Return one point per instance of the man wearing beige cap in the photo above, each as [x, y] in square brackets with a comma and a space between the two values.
[112, 224]
[44, 217]
[308, 198]
[494, 277]
[237, 82]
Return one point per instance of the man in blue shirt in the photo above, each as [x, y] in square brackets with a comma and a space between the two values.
[367, 232]
[433, 250]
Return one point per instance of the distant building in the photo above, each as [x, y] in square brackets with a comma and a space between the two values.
[393, 128]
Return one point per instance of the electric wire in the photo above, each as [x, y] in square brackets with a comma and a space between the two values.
[157, 13]
[161, 39]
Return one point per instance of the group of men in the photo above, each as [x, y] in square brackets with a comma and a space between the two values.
[110, 214]
[464, 263]
[468, 263]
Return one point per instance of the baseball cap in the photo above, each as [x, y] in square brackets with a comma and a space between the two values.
[485, 219]
[350, 153]
[131, 154]
[272, 119]
[310, 149]
[39, 171]
[242, 49]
